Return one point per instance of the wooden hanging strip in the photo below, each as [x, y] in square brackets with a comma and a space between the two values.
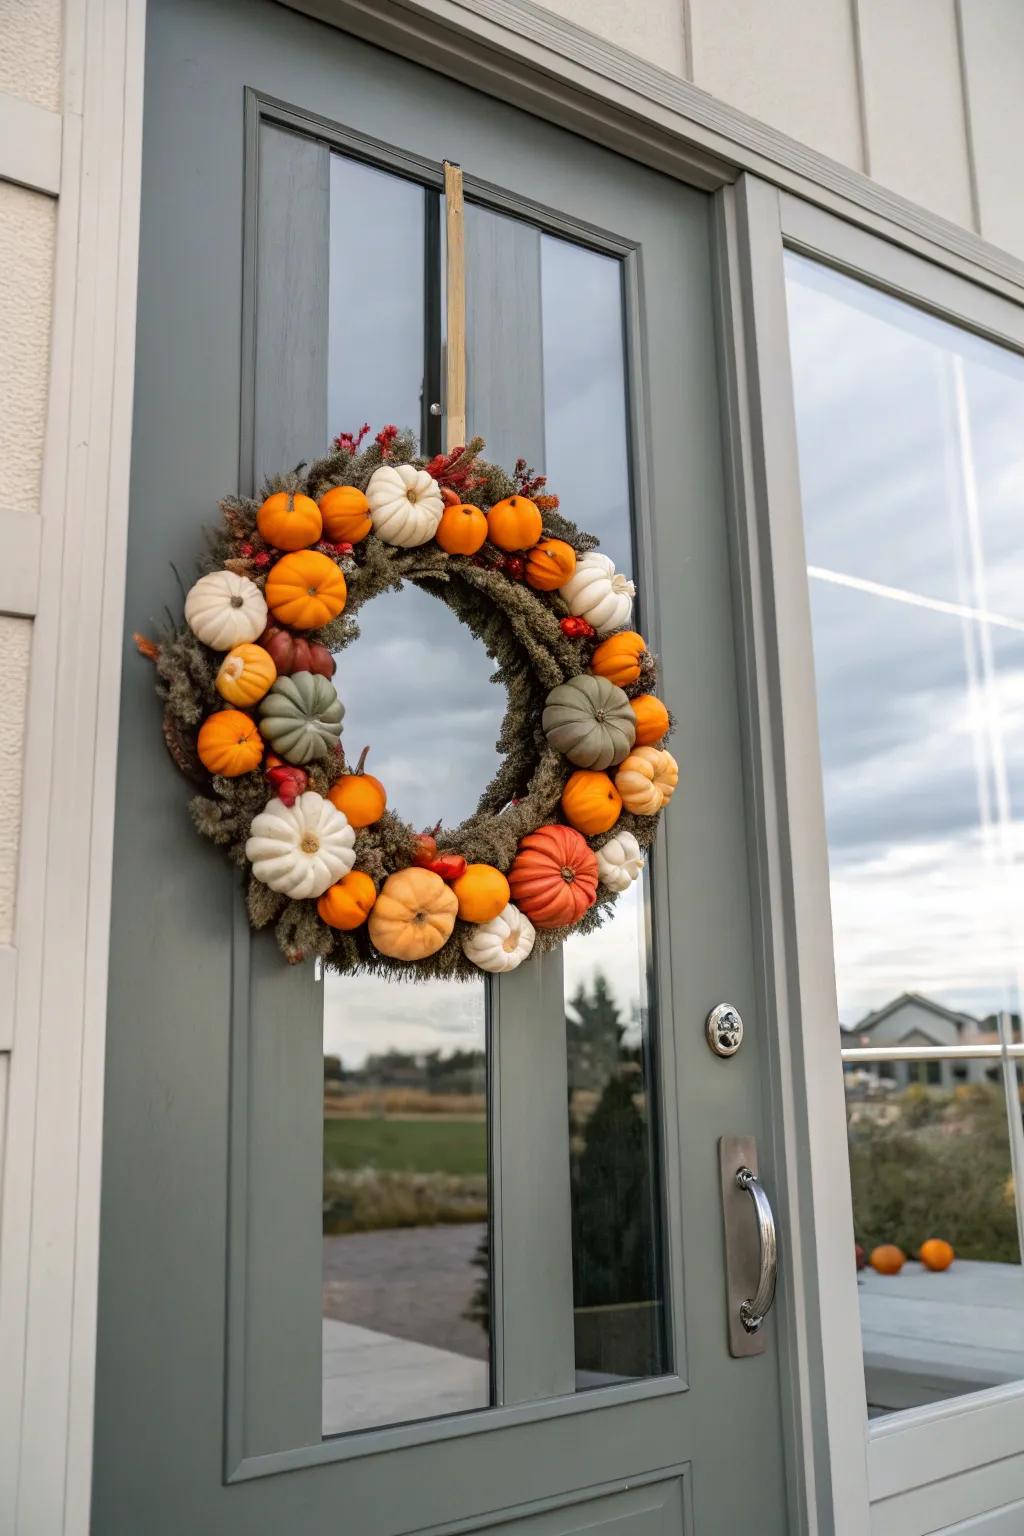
[455, 243]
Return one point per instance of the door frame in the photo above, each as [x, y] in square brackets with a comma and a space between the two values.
[52, 1180]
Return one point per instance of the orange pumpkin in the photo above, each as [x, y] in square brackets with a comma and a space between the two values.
[305, 590]
[346, 514]
[619, 658]
[246, 674]
[413, 916]
[514, 523]
[887, 1259]
[462, 529]
[652, 720]
[936, 1253]
[590, 802]
[482, 892]
[550, 565]
[229, 743]
[647, 780]
[553, 879]
[348, 903]
[362, 797]
[289, 521]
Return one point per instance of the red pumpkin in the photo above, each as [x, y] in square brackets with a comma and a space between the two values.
[553, 879]
[293, 653]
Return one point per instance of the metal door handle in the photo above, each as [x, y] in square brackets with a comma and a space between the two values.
[754, 1310]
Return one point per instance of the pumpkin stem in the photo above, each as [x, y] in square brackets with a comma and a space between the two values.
[361, 764]
[568, 875]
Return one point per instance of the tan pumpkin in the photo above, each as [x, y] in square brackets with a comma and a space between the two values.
[550, 563]
[289, 521]
[229, 743]
[305, 590]
[620, 658]
[348, 903]
[246, 674]
[652, 721]
[590, 802]
[413, 916]
[646, 780]
[482, 892]
[346, 514]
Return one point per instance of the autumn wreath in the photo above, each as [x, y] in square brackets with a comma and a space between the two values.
[252, 714]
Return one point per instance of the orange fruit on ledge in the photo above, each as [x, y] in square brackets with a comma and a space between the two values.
[887, 1259]
[936, 1253]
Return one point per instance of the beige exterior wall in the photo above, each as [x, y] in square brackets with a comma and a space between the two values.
[924, 96]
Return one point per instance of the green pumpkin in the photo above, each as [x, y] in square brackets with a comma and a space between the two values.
[300, 718]
[589, 721]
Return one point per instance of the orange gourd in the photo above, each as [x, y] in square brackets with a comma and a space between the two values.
[482, 892]
[590, 802]
[246, 674]
[550, 564]
[289, 521]
[229, 743]
[887, 1259]
[514, 523]
[362, 797]
[346, 514]
[462, 529]
[647, 780]
[305, 590]
[619, 658]
[348, 903]
[652, 720]
[413, 916]
[936, 1253]
[553, 879]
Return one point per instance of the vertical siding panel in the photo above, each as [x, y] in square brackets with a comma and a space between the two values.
[792, 64]
[913, 103]
[992, 33]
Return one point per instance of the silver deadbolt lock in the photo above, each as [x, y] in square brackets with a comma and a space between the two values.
[724, 1030]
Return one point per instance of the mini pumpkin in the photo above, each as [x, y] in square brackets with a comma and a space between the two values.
[597, 592]
[619, 861]
[620, 658]
[305, 590]
[405, 505]
[224, 609]
[348, 902]
[246, 673]
[482, 892]
[646, 780]
[590, 802]
[301, 717]
[229, 743]
[346, 514]
[652, 721]
[589, 721]
[550, 565]
[462, 529]
[413, 916]
[289, 521]
[362, 797]
[502, 944]
[553, 879]
[300, 849]
[293, 653]
[514, 523]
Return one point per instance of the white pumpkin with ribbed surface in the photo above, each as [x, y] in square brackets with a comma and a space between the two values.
[503, 943]
[405, 505]
[301, 849]
[224, 610]
[597, 592]
[619, 862]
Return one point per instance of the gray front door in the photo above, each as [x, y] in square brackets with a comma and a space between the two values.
[385, 1260]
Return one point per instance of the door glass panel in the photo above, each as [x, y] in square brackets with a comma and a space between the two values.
[406, 1267]
[909, 439]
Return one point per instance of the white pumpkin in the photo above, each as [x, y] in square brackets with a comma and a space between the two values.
[405, 505]
[598, 593]
[503, 943]
[619, 862]
[224, 610]
[303, 848]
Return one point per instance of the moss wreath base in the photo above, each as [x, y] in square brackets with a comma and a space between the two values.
[217, 676]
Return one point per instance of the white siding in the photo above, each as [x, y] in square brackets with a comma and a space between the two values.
[993, 47]
[30, 50]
